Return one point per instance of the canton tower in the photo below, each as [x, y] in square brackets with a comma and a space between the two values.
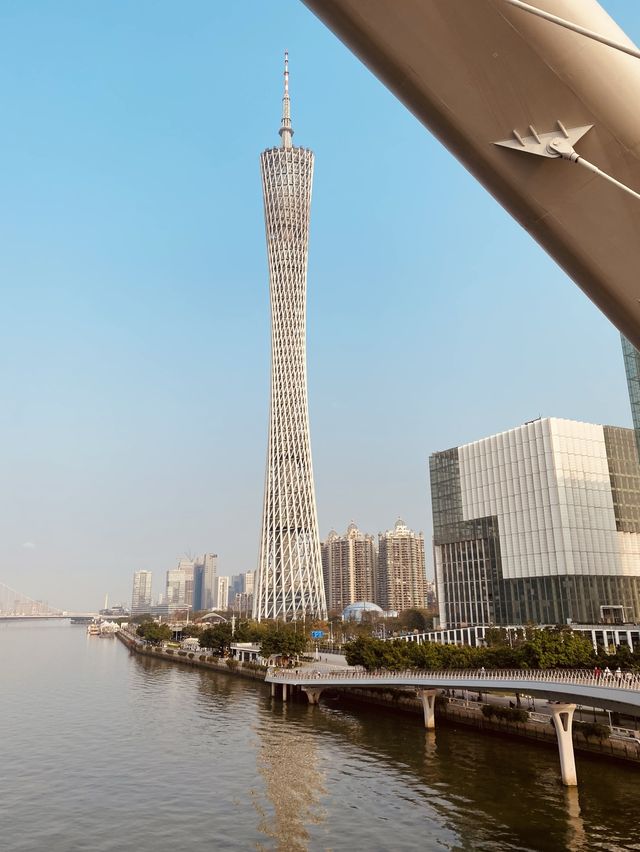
[289, 583]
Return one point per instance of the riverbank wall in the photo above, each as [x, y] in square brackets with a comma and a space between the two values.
[449, 711]
[458, 711]
[190, 658]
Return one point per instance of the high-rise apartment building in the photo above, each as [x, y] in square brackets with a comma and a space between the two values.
[290, 571]
[249, 582]
[222, 592]
[188, 566]
[400, 576]
[538, 524]
[632, 369]
[141, 596]
[176, 588]
[348, 565]
[209, 564]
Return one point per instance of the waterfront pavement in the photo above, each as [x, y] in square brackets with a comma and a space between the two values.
[326, 662]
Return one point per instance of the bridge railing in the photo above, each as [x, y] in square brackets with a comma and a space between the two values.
[582, 677]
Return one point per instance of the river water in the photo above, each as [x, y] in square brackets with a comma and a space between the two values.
[103, 750]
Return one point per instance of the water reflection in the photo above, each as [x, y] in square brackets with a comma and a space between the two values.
[576, 835]
[288, 763]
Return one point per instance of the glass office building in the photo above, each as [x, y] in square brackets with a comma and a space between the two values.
[538, 524]
[632, 369]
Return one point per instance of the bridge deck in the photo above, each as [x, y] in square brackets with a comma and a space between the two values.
[621, 694]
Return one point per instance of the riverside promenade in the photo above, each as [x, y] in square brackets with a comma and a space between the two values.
[386, 689]
[195, 659]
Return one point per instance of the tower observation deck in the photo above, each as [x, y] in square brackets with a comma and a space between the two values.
[289, 584]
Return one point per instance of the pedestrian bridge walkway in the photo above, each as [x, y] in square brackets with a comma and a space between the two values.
[564, 689]
[618, 694]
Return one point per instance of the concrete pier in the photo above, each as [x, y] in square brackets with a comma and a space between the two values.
[428, 705]
[562, 715]
[313, 694]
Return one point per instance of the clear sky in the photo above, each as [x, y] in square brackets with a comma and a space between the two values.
[134, 356]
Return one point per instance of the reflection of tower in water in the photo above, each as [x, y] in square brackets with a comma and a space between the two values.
[288, 763]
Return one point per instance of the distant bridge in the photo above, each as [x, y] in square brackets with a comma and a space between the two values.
[16, 606]
[564, 689]
[43, 617]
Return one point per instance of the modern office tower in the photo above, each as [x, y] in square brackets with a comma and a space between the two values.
[400, 576]
[141, 596]
[188, 566]
[198, 574]
[348, 565]
[176, 583]
[538, 524]
[222, 592]
[632, 369]
[290, 571]
[209, 564]
[249, 582]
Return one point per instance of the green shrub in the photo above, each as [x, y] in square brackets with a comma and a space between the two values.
[254, 667]
[505, 714]
[182, 653]
[190, 655]
[518, 714]
[169, 651]
[592, 729]
[232, 664]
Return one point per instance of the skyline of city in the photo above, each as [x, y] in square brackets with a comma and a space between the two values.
[125, 419]
[349, 521]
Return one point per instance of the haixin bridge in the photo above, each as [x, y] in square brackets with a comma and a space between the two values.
[16, 606]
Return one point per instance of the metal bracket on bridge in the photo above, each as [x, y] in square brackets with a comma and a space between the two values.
[558, 144]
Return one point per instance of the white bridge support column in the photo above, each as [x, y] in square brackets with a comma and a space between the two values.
[428, 705]
[313, 694]
[284, 691]
[562, 715]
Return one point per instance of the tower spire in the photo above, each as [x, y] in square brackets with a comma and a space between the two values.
[286, 131]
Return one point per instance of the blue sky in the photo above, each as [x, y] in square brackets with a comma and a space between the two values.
[134, 359]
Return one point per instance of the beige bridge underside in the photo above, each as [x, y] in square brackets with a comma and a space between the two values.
[474, 70]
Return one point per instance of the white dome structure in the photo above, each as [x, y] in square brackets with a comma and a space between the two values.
[355, 611]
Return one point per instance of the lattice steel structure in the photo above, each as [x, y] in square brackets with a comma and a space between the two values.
[289, 583]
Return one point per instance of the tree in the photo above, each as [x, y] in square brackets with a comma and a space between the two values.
[154, 632]
[282, 640]
[557, 648]
[218, 638]
[415, 619]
